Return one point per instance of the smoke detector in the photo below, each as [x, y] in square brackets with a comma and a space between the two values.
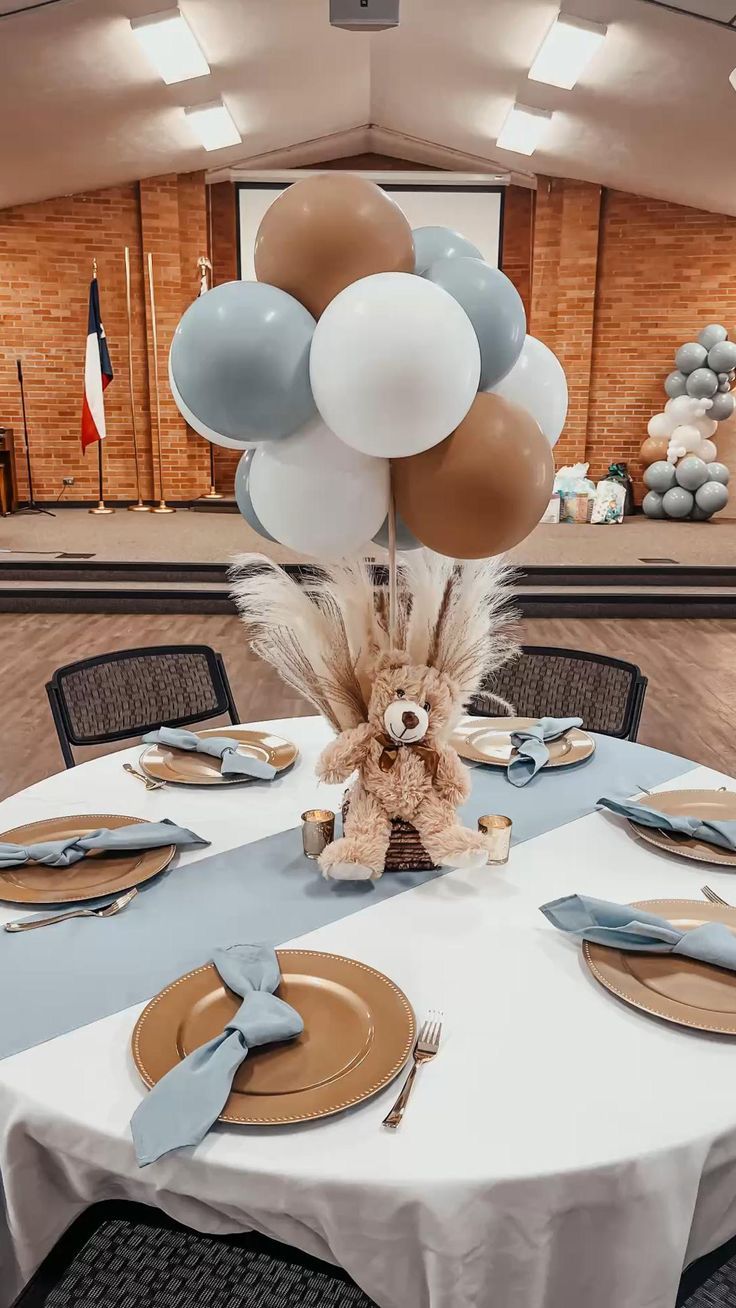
[364, 15]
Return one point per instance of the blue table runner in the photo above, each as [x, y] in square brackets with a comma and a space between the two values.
[65, 976]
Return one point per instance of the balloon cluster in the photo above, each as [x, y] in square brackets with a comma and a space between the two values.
[682, 473]
[364, 356]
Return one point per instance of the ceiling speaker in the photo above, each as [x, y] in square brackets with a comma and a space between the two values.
[364, 15]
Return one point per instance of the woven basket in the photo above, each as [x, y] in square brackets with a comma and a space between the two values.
[405, 852]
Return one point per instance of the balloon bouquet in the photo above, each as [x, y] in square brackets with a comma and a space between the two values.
[381, 385]
[683, 475]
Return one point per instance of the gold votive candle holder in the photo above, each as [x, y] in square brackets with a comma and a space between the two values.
[497, 827]
[318, 830]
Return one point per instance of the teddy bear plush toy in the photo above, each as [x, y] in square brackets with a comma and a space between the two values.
[394, 697]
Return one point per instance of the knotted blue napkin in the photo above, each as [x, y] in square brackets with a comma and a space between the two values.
[531, 747]
[712, 833]
[181, 1108]
[622, 927]
[223, 747]
[63, 853]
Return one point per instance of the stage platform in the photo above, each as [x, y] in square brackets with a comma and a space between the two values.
[136, 562]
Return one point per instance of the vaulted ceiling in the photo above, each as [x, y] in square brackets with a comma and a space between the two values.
[80, 106]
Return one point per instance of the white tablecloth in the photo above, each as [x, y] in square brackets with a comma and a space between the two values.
[562, 1151]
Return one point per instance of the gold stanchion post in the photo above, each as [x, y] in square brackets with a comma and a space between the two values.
[101, 507]
[392, 568]
[204, 265]
[138, 507]
[162, 506]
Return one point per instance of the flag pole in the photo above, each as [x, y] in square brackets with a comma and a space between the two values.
[139, 507]
[101, 507]
[162, 506]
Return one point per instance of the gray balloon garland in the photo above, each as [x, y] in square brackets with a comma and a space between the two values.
[705, 369]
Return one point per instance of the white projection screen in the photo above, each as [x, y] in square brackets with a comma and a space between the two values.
[474, 210]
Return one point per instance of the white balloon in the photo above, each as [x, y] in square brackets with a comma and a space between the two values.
[708, 451]
[394, 365]
[706, 426]
[686, 408]
[537, 382]
[661, 425]
[227, 441]
[317, 495]
[687, 436]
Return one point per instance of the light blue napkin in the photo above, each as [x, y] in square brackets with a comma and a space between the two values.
[222, 747]
[623, 927]
[181, 1108]
[713, 833]
[63, 853]
[532, 752]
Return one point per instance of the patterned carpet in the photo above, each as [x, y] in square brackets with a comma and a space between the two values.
[719, 1291]
[128, 1265]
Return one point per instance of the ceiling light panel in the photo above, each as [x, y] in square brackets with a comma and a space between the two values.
[566, 51]
[170, 45]
[213, 125]
[524, 129]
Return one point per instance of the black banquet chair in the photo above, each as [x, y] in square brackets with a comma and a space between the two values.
[127, 1255]
[116, 696]
[608, 694]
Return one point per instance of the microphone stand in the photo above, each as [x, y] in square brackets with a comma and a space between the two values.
[31, 506]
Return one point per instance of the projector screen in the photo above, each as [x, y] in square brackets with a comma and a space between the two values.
[475, 211]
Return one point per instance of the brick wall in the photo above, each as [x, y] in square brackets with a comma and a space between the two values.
[518, 227]
[46, 253]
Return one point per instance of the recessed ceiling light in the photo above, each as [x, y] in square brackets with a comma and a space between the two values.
[171, 45]
[524, 129]
[214, 125]
[566, 50]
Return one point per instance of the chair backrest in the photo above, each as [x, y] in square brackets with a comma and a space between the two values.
[114, 696]
[608, 694]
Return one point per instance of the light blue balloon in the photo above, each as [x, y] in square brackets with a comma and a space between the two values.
[242, 496]
[652, 505]
[493, 306]
[699, 515]
[721, 408]
[719, 472]
[240, 361]
[690, 356]
[712, 335]
[675, 384]
[712, 497]
[691, 473]
[722, 357]
[677, 503]
[660, 476]
[702, 383]
[433, 243]
[405, 539]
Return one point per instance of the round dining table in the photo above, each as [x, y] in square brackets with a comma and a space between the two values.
[562, 1150]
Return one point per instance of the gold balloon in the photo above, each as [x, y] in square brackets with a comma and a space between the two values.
[654, 449]
[484, 488]
[325, 232]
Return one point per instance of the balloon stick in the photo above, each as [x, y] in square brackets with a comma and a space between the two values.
[391, 567]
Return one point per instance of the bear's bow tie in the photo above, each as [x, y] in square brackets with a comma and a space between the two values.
[390, 753]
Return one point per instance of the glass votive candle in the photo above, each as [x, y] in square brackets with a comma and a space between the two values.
[318, 830]
[497, 828]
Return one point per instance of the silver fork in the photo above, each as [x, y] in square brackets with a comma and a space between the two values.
[713, 897]
[428, 1042]
[109, 910]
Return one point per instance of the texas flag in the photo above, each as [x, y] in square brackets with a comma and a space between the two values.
[97, 372]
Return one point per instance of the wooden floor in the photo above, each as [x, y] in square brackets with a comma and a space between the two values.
[690, 707]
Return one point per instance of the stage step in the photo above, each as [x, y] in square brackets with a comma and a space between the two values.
[106, 587]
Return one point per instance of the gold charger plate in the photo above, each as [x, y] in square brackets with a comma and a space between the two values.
[102, 872]
[359, 1030]
[488, 740]
[718, 805]
[679, 990]
[188, 769]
